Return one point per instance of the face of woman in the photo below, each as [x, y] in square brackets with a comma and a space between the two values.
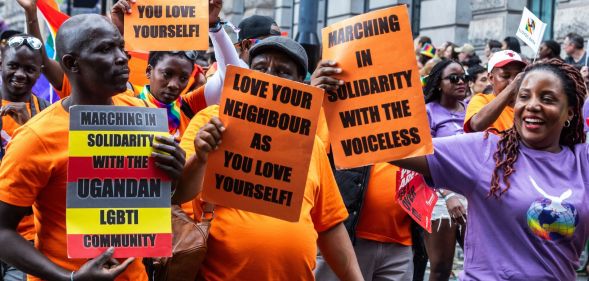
[481, 83]
[448, 52]
[541, 109]
[544, 51]
[453, 83]
[169, 77]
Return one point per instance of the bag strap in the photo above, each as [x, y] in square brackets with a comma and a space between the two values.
[208, 210]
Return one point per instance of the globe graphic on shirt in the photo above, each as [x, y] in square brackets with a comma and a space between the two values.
[552, 220]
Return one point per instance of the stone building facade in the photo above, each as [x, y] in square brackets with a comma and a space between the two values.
[459, 21]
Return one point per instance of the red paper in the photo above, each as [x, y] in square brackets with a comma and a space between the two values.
[416, 198]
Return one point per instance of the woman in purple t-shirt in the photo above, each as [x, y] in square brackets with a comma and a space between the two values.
[527, 188]
[444, 91]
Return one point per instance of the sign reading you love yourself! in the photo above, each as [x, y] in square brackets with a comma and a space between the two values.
[262, 164]
[167, 25]
[116, 197]
[378, 114]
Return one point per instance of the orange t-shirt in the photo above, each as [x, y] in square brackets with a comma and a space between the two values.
[382, 219]
[197, 102]
[34, 173]
[26, 227]
[248, 246]
[477, 102]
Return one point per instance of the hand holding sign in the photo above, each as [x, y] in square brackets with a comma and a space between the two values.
[169, 157]
[208, 138]
[323, 76]
[104, 267]
[118, 11]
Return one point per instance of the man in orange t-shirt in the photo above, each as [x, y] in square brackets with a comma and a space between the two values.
[247, 246]
[495, 111]
[34, 170]
[20, 68]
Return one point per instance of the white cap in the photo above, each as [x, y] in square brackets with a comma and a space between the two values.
[502, 58]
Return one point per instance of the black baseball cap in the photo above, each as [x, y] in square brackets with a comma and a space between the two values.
[257, 26]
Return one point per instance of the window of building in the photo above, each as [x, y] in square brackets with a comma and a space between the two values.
[544, 9]
[415, 13]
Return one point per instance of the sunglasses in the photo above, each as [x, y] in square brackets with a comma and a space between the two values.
[455, 78]
[32, 42]
[191, 55]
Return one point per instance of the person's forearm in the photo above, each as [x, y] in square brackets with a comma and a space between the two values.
[416, 164]
[225, 52]
[190, 183]
[489, 113]
[21, 254]
[51, 69]
[339, 254]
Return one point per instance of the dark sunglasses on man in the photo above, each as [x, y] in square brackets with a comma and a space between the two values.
[455, 78]
[18, 40]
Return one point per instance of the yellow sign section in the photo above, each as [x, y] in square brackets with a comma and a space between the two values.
[118, 220]
[104, 143]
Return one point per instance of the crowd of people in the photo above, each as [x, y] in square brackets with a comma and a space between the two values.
[510, 163]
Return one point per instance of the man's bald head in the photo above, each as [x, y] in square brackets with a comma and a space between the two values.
[76, 32]
[92, 54]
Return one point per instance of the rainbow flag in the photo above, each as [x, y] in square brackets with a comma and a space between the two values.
[53, 17]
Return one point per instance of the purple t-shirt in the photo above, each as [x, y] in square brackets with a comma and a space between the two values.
[444, 122]
[535, 231]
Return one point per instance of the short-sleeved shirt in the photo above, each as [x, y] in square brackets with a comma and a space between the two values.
[34, 173]
[248, 246]
[538, 228]
[580, 63]
[443, 122]
[382, 219]
[26, 227]
[477, 102]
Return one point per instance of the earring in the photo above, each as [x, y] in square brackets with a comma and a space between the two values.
[567, 123]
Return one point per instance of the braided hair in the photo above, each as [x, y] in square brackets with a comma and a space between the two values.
[508, 146]
[432, 85]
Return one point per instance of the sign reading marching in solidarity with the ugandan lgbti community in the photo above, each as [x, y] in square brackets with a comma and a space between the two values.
[262, 164]
[378, 114]
[167, 25]
[116, 196]
[416, 198]
[531, 30]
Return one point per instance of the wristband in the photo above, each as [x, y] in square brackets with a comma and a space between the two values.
[72, 276]
[218, 25]
[448, 196]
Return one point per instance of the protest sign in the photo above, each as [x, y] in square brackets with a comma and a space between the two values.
[167, 25]
[531, 30]
[262, 164]
[416, 198]
[116, 197]
[378, 114]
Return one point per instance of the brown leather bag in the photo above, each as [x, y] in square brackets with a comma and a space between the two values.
[189, 246]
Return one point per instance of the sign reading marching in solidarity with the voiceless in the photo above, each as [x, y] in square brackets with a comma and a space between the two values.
[116, 197]
[261, 166]
[378, 114]
[167, 25]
